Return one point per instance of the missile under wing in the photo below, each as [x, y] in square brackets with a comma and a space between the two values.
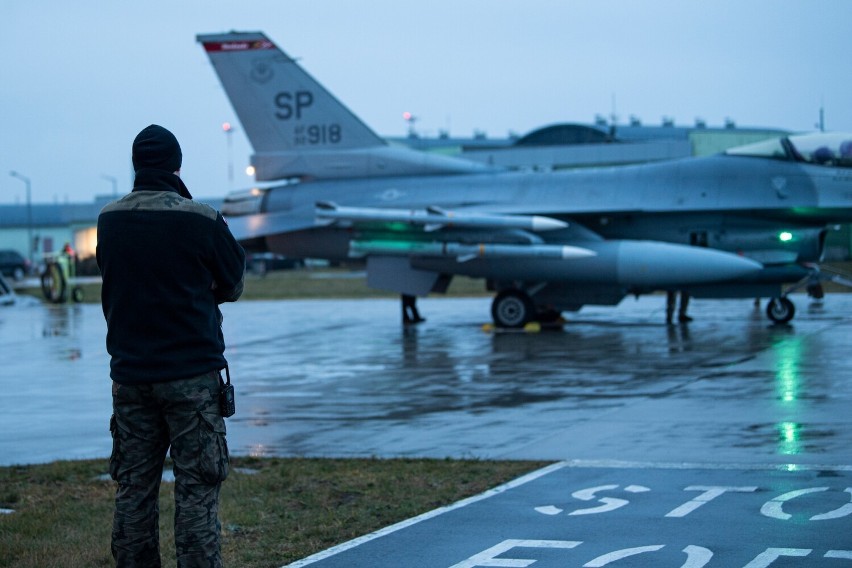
[741, 224]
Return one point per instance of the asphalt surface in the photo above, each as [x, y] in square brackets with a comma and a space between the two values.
[724, 442]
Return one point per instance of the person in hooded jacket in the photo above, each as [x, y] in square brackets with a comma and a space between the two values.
[167, 264]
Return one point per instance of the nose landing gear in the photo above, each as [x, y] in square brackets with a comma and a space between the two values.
[780, 310]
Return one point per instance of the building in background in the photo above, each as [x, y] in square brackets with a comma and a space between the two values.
[53, 225]
[568, 145]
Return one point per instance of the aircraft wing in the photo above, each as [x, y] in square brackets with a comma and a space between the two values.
[246, 227]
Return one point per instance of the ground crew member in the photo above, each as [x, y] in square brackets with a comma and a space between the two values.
[167, 263]
[671, 301]
[410, 314]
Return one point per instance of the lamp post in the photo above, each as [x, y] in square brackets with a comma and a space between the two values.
[26, 181]
[114, 184]
[229, 132]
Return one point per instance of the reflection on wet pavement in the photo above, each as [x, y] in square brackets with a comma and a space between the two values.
[345, 378]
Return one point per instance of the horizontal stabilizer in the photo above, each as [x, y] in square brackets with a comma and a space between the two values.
[247, 227]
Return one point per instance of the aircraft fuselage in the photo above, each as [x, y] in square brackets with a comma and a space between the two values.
[723, 202]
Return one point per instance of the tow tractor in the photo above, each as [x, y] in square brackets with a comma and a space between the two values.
[59, 279]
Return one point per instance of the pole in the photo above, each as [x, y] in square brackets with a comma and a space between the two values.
[229, 131]
[26, 181]
[114, 184]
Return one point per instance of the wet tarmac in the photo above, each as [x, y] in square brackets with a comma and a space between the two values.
[724, 442]
[345, 378]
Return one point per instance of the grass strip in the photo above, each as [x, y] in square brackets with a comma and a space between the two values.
[273, 510]
[305, 283]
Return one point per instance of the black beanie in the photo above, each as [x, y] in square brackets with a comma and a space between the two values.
[156, 148]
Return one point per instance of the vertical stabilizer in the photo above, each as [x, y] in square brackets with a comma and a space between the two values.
[280, 106]
[296, 127]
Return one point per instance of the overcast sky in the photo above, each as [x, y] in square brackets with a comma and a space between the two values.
[81, 78]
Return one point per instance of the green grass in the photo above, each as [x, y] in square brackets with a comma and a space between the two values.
[285, 510]
[306, 283]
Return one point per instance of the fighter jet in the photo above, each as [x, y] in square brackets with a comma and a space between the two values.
[747, 223]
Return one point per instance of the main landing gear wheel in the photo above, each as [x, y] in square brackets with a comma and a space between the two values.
[780, 310]
[512, 308]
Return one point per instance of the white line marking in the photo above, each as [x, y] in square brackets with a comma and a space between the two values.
[837, 513]
[487, 557]
[618, 464]
[425, 516]
[548, 510]
[619, 554]
[770, 555]
[774, 508]
[605, 464]
[709, 494]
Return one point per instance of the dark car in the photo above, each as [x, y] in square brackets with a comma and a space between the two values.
[13, 264]
[261, 263]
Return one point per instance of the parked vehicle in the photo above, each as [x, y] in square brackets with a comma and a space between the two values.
[13, 264]
[59, 278]
[261, 263]
[7, 293]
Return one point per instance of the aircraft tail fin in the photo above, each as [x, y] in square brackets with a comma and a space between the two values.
[296, 127]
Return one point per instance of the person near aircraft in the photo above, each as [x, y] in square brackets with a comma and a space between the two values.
[823, 155]
[671, 303]
[410, 315]
[167, 263]
[67, 260]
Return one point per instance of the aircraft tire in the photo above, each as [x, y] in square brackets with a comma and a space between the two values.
[780, 310]
[512, 308]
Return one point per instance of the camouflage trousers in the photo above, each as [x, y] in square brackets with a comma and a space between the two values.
[147, 420]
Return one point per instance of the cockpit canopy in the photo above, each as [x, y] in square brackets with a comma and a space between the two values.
[833, 149]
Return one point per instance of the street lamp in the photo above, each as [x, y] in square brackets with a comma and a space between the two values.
[26, 181]
[229, 132]
[114, 184]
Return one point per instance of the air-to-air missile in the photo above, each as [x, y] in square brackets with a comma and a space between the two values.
[434, 218]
